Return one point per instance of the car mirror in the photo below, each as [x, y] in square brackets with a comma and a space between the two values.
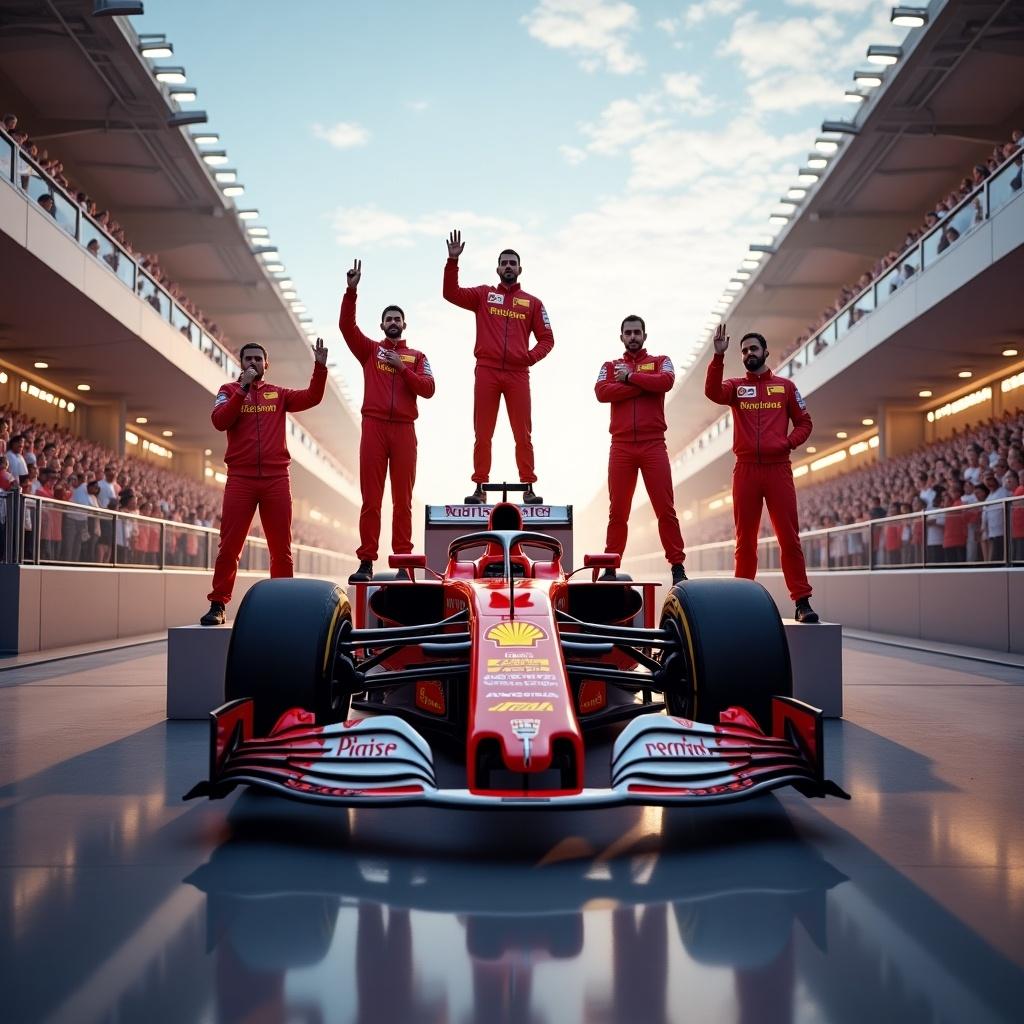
[407, 561]
[606, 560]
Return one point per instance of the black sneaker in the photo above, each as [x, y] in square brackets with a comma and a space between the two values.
[215, 616]
[363, 574]
[804, 612]
[477, 497]
[608, 574]
[678, 574]
[529, 498]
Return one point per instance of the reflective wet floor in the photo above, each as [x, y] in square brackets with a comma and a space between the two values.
[121, 903]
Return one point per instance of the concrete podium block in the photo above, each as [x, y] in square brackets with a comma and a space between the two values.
[196, 659]
[816, 652]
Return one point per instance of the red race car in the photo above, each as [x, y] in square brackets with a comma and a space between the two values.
[517, 661]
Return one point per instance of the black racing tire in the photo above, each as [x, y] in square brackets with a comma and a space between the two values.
[732, 650]
[282, 651]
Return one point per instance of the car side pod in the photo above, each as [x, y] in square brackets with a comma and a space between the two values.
[679, 760]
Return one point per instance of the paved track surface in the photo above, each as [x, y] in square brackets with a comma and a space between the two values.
[120, 903]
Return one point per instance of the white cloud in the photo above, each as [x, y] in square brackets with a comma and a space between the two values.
[359, 226]
[343, 135]
[622, 123]
[686, 90]
[596, 31]
[572, 155]
[667, 25]
[792, 90]
[842, 6]
[418, 105]
[794, 43]
[696, 13]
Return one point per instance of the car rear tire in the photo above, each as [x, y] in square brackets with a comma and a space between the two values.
[282, 651]
[732, 650]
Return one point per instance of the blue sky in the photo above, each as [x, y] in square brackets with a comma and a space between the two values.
[630, 152]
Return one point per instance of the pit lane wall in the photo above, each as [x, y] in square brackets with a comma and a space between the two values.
[46, 607]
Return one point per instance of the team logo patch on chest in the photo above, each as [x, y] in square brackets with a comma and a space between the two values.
[746, 391]
[495, 299]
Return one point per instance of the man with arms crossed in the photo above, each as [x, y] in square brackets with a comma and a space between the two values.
[253, 413]
[394, 375]
[635, 385]
[505, 317]
[762, 407]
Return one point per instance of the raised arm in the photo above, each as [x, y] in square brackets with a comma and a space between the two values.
[718, 391]
[296, 401]
[464, 297]
[359, 344]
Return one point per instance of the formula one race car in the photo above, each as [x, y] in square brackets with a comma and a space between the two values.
[517, 661]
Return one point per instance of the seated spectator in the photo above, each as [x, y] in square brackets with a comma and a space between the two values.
[47, 203]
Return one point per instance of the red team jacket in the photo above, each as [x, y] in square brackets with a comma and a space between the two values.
[638, 408]
[762, 406]
[387, 394]
[255, 422]
[504, 319]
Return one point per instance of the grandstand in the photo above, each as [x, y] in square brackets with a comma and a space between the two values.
[890, 296]
[132, 273]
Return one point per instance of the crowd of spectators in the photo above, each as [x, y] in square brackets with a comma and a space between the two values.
[51, 461]
[935, 216]
[53, 167]
[979, 464]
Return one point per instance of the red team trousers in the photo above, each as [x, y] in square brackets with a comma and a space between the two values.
[386, 443]
[755, 484]
[272, 495]
[491, 385]
[650, 458]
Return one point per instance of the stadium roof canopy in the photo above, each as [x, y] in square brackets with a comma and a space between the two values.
[955, 93]
[81, 88]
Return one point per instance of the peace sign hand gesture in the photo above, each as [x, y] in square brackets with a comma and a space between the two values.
[455, 245]
[721, 339]
[320, 352]
[355, 273]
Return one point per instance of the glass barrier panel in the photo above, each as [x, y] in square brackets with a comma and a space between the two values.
[904, 270]
[31, 179]
[857, 541]
[183, 322]
[934, 532]
[886, 285]
[994, 516]
[65, 212]
[146, 289]
[29, 527]
[863, 305]
[7, 157]
[1005, 184]
[1016, 510]
[183, 546]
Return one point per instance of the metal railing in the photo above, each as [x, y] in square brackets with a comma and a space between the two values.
[1003, 185]
[986, 534]
[35, 530]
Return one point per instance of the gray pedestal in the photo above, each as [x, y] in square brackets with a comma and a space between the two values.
[817, 656]
[196, 659]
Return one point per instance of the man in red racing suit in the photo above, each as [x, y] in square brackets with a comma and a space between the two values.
[254, 415]
[505, 317]
[636, 384]
[394, 375]
[762, 407]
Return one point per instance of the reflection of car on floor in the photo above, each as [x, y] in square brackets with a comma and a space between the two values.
[517, 661]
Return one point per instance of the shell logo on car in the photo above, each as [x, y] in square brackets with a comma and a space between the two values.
[516, 634]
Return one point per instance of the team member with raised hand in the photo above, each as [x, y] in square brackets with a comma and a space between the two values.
[505, 318]
[763, 406]
[394, 376]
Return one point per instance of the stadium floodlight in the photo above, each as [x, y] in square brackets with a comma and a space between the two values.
[41, 364]
[807, 176]
[215, 157]
[182, 118]
[926, 393]
[170, 75]
[286, 282]
[270, 253]
[248, 214]
[83, 387]
[762, 249]
[289, 293]
[910, 17]
[817, 161]
[1010, 352]
[187, 94]
[234, 190]
[257, 232]
[796, 193]
[884, 56]
[965, 374]
[153, 46]
[778, 219]
[228, 176]
[839, 128]
[205, 138]
[867, 422]
[853, 96]
[116, 8]
[826, 146]
[741, 275]
[274, 268]
[734, 286]
[298, 307]
[305, 319]
[867, 79]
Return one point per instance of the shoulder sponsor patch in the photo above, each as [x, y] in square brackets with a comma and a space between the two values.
[496, 298]
[603, 373]
[746, 391]
[776, 389]
[222, 397]
[544, 316]
[426, 367]
[666, 366]
[269, 394]
[799, 398]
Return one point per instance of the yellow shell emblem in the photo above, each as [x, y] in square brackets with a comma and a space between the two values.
[516, 634]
